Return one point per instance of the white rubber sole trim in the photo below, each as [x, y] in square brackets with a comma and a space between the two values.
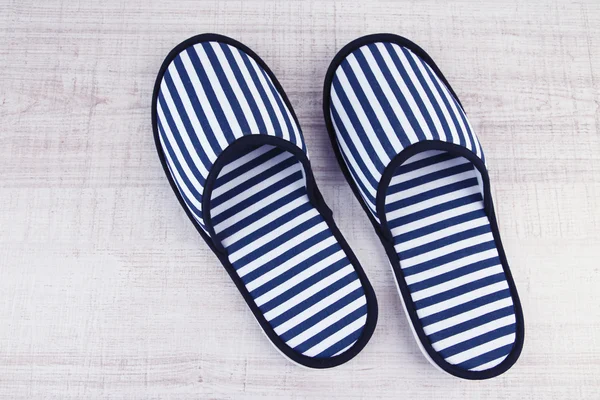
[412, 328]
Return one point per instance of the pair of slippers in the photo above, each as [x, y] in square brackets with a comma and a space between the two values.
[234, 154]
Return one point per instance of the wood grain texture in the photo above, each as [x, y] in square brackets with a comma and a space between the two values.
[107, 291]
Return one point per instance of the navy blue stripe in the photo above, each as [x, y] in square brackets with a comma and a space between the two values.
[254, 199]
[413, 90]
[368, 109]
[307, 243]
[458, 291]
[305, 284]
[478, 340]
[258, 214]
[440, 90]
[210, 95]
[445, 241]
[191, 133]
[428, 178]
[470, 324]
[457, 255]
[298, 268]
[227, 89]
[381, 98]
[223, 179]
[227, 50]
[438, 226]
[463, 201]
[406, 109]
[197, 107]
[487, 357]
[270, 107]
[429, 94]
[352, 148]
[342, 344]
[325, 333]
[180, 145]
[311, 301]
[358, 128]
[430, 194]
[457, 273]
[282, 108]
[284, 237]
[250, 183]
[468, 306]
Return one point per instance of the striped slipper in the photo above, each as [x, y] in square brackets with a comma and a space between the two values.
[232, 149]
[407, 149]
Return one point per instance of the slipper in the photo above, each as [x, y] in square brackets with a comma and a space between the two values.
[234, 154]
[413, 161]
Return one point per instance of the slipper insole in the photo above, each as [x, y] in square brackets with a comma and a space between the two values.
[449, 260]
[286, 255]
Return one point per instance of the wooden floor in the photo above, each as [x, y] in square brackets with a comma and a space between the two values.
[106, 289]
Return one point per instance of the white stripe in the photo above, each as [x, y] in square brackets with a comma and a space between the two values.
[435, 201]
[218, 89]
[424, 98]
[451, 248]
[354, 166]
[267, 89]
[189, 110]
[287, 111]
[238, 162]
[440, 217]
[450, 100]
[390, 96]
[279, 250]
[474, 332]
[255, 189]
[310, 292]
[178, 155]
[336, 337]
[354, 139]
[206, 105]
[254, 90]
[183, 187]
[327, 322]
[267, 201]
[374, 102]
[430, 185]
[417, 173]
[423, 155]
[404, 89]
[451, 266]
[291, 263]
[441, 234]
[457, 282]
[183, 134]
[345, 348]
[436, 94]
[364, 121]
[462, 299]
[256, 225]
[300, 277]
[274, 234]
[253, 172]
[235, 86]
[467, 316]
[445, 250]
[481, 349]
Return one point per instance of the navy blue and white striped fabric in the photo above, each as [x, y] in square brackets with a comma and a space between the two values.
[383, 99]
[280, 246]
